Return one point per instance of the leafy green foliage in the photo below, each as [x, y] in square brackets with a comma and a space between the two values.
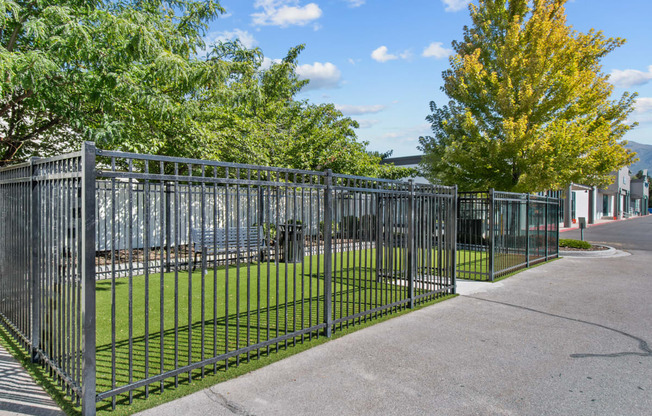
[584, 245]
[530, 109]
[136, 76]
[256, 119]
[96, 70]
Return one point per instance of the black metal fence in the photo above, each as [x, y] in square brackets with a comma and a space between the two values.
[125, 274]
[47, 280]
[500, 232]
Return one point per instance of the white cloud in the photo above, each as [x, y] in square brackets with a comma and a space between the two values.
[355, 110]
[321, 75]
[405, 54]
[355, 3]
[409, 134]
[630, 77]
[246, 38]
[643, 111]
[380, 54]
[643, 105]
[455, 5]
[267, 62]
[365, 123]
[436, 50]
[285, 13]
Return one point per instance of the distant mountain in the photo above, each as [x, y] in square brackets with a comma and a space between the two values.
[644, 154]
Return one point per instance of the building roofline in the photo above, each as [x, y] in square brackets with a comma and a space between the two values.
[402, 161]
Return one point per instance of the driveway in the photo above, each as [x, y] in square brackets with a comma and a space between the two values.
[571, 337]
[632, 234]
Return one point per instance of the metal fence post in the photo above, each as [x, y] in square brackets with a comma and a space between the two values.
[568, 217]
[88, 278]
[557, 235]
[546, 236]
[34, 271]
[328, 255]
[168, 224]
[492, 238]
[527, 231]
[410, 247]
[454, 253]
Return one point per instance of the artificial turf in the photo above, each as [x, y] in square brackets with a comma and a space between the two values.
[264, 301]
[165, 321]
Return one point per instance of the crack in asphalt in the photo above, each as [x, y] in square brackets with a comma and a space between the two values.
[643, 345]
[231, 406]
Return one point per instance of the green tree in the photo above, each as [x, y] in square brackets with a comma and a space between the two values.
[79, 70]
[257, 119]
[529, 106]
[136, 76]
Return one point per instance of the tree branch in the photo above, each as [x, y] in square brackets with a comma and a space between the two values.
[41, 129]
[19, 25]
[15, 144]
[16, 100]
[9, 154]
[14, 35]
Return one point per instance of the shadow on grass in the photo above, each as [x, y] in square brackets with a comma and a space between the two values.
[41, 375]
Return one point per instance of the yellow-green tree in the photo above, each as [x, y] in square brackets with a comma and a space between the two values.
[529, 106]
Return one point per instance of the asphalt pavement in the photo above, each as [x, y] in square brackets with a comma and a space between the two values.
[572, 337]
[631, 234]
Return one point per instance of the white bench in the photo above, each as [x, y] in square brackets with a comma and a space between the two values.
[242, 241]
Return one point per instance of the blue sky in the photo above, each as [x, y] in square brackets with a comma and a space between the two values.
[380, 61]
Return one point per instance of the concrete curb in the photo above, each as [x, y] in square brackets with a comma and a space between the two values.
[611, 252]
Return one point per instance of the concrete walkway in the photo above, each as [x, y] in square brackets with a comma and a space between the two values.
[19, 394]
[567, 338]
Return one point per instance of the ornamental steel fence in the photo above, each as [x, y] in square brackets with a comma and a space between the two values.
[501, 232]
[126, 274]
[47, 274]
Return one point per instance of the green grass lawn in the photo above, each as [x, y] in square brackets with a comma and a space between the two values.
[228, 309]
[264, 301]
[474, 265]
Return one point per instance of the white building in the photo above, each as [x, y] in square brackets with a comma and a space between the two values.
[623, 198]
[640, 195]
[407, 162]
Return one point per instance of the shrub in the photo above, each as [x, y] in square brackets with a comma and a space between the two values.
[574, 244]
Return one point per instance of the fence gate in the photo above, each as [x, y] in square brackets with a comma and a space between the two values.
[500, 232]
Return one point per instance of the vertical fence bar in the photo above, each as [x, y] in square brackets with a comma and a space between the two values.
[168, 223]
[557, 235]
[453, 220]
[328, 253]
[34, 270]
[88, 278]
[547, 232]
[411, 270]
[492, 236]
[528, 206]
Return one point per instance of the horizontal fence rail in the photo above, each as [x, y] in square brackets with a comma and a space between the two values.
[42, 293]
[501, 232]
[126, 274]
[206, 264]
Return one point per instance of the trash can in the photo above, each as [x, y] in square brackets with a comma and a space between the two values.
[292, 242]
